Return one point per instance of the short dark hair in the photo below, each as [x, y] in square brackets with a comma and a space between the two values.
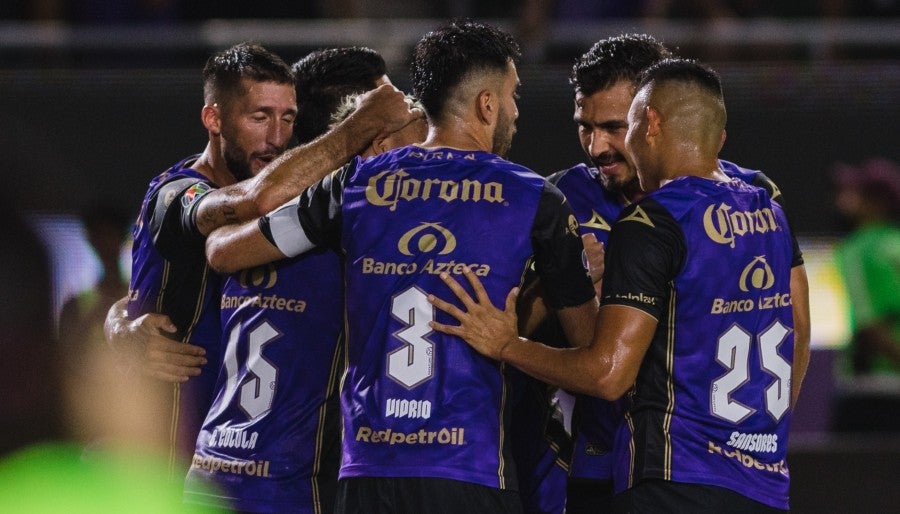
[613, 59]
[443, 57]
[683, 70]
[324, 78]
[224, 71]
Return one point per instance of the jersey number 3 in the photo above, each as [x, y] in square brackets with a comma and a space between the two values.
[412, 363]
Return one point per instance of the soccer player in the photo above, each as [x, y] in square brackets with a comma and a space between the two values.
[605, 79]
[413, 133]
[424, 416]
[346, 71]
[271, 439]
[249, 115]
[695, 320]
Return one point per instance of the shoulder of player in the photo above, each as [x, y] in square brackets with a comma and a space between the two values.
[577, 173]
[186, 187]
[750, 176]
[647, 211]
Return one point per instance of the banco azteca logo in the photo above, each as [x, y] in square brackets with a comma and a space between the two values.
[425, 238]
[263, 276]
[757, 275]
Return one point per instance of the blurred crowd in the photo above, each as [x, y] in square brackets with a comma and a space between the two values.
[530, 12]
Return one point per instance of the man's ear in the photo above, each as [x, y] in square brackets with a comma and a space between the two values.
[486, 106]
[379, 145]
[211, 119]
[654, 123]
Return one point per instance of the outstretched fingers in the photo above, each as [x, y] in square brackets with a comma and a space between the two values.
[447, 307]
[511, 298]
[460, 293]
[477, 286]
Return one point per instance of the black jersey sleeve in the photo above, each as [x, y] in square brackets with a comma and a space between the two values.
[321, 206]
[762, 180]
[646, 250]
[311, 220]
[175, 234]
[559, 254]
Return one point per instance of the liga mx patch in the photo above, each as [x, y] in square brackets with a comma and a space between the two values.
[193, 193]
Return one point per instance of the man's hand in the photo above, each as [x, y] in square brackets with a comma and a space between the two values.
[387, 107]
[485, 327]
[161, 357]
[595, 253]
[143, 343]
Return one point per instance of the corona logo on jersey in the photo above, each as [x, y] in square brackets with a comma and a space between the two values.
[723, 224]
[426, 237]
[390, 187]
[756, 276]
[261, 276]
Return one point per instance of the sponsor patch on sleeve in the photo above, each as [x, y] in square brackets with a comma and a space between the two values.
[193, 193]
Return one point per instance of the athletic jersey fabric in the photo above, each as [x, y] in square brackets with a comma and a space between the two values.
[417, 403]
[596, 208]
[271, 439]
[711, 262]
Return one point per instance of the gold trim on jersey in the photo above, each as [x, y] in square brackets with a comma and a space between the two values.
[176, 387]
[198, 308]
[173, 431]
[501, 461]
[670, 383]
[597, 222]
[640, 216]
[631, 448]
[335, 377]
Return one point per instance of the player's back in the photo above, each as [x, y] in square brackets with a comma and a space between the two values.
[270, 441]
[711, 402]
[421, 403]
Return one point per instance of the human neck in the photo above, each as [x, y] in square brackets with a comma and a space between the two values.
[695, 165]
[213, 167]
[458, 133]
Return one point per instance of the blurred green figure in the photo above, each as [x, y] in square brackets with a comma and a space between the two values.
[77, 434]
[869, 261]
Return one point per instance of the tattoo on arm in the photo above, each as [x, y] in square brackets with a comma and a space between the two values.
[230, 214]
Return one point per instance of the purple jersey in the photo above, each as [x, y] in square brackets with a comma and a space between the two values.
[594, 420]
[540, 444]
[418, 403]
[271, 440]
[170, 275]
[596, 208]
[711, 261]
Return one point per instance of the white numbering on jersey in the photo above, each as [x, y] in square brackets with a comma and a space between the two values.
[413, 363]
[258, 389]
[733, 352]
